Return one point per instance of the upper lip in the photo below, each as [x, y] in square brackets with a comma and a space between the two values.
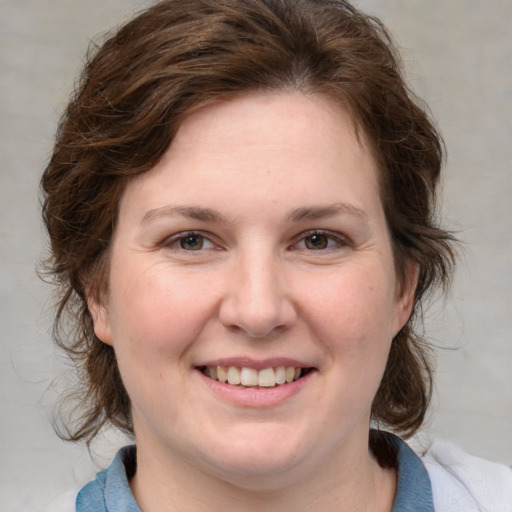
[258, 364]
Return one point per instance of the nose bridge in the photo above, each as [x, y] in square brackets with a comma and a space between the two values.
[257, 302]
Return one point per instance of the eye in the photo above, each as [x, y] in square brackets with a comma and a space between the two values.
[317, 241]
[189, 241]
[320, 241]
[192, 242]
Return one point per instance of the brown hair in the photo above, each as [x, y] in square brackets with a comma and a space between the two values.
[180, 55]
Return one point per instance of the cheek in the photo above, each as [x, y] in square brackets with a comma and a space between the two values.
[354, 315]
[157, 310]
[361, 298]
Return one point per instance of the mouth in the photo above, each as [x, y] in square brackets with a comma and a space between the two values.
[246, 377]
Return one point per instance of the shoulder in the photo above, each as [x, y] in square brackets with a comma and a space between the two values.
[463, 482]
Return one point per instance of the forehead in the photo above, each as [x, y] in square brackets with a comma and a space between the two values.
[258, 144]
[289, 114]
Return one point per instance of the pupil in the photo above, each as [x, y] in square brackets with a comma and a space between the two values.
[191, 242]
[316, 242]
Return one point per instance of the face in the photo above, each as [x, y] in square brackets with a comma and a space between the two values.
[256, 251]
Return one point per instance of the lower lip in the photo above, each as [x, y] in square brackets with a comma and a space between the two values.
[257, 397]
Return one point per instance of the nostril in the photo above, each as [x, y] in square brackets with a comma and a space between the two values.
[256, 310]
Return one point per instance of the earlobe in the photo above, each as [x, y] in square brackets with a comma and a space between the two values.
[100, 319]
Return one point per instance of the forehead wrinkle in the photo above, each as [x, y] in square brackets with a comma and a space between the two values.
[322, 212]
[191, 212]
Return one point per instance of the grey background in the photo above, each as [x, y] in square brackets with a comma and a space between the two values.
[459, 58]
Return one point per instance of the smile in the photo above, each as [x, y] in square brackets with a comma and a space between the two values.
[251, 377]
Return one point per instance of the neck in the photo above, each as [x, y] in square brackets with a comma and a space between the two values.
[354, 482]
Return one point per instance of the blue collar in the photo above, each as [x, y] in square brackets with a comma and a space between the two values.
[110, 491]
[414, 491]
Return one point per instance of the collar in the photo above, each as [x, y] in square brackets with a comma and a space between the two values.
[414, 490]
[110, 491]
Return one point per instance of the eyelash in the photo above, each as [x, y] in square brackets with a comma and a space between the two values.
[333, 241]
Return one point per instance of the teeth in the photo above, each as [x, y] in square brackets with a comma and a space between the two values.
[249, 376]
[233, 376]
[280, 375]
[267, 378]
[222, 373]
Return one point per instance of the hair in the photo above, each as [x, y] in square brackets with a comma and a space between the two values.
[180, 55]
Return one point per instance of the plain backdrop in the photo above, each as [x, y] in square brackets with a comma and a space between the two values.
[458, 55]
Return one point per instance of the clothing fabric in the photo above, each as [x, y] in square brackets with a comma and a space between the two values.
[434, 477]
[110, 491]
[463, 482]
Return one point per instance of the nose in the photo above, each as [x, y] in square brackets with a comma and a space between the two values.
[257, 301]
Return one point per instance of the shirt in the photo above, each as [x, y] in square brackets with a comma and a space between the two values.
[110, 491]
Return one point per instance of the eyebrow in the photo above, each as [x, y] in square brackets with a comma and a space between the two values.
[322, 212]
[300, 214]
[191, 212]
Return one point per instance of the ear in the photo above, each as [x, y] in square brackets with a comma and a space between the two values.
[405, 299]
[100, 318]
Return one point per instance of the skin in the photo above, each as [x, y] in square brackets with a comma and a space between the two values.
[256, 179]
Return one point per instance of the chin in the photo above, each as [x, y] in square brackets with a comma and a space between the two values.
[257, 460]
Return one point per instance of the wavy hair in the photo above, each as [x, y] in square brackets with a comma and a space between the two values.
[180, 55]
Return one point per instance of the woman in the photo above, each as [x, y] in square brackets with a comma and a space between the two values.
[241, 209]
